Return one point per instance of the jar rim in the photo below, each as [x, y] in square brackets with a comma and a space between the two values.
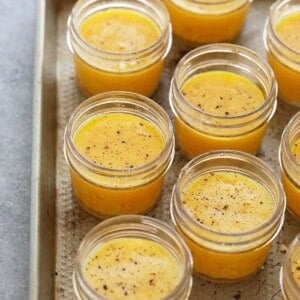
[286, 139]
[126, 223]
[216, 2]
[286, 267]
[238, 155]
[165, 33]
[119, 97]
[229, 48]
[270, 22]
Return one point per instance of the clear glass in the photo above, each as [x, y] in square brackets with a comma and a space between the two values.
[284, 60]
[198, 22]
[220, 256]
[134, 227]
[290, 167]
[105, 192]
[289, 288]
[197, 131]
[101, 71]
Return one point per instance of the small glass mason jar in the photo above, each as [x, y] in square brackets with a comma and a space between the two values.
[291, 268]
[290, 166]
[223, 256]
[106, 192]
[133, 227]
[198, 131]
[284, 60]
[198, 22]
[136, 71]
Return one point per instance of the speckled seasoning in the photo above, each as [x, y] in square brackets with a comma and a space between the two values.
[119, 30]
[223, 93]
[228, 201]
[132, 268]
[119, 140]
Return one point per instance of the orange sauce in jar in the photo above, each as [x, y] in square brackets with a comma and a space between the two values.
[222, 94]
[285, 63]
[117, 141]
[132, 268]
[132, 257]
[119, 48]
[228, 202]
[295, 266]
[228, 206]
[200, 22]
[292, 189]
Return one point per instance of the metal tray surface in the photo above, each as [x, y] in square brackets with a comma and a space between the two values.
[57, 223]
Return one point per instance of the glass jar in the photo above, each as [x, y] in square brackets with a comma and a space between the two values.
[290, 166]
[136, 71]
[284, 60]
[198, 22]
[142, 228]
[104, 191]
[198, 131]
[289, 288]
[227, 256]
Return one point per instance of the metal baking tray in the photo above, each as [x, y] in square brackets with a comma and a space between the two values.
[57, 223]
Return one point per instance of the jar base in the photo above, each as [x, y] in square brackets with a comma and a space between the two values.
[225, 280]
[188, 157]
[100, 216]
[289, 102]
[293, 214]
[88, 94]
[189, 45]
[93, 81]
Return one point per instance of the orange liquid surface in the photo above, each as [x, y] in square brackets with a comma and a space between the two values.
[119, 31]
[224, 94]
[132, 268]
[117, 141]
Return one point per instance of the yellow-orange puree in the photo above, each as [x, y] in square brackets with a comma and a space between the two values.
[117, 141]
[292, 189]
[132, 268]
[118, 31]
[288, 30]
[229, 203]
[295, 266]
[201, 24]
[287, 74]
[221, 94]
